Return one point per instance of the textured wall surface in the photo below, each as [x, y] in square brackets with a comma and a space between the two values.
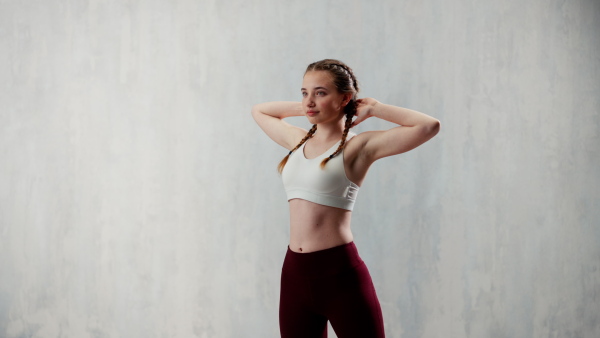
[139, 199]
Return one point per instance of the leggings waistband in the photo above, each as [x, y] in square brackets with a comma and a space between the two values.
[323, 262]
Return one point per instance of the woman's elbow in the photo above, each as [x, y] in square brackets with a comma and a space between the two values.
[255, 110]
[433, 128]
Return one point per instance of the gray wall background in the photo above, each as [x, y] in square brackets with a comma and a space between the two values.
[139, 199]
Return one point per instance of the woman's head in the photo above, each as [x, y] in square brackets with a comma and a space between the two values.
[343, 78]
[345, 82]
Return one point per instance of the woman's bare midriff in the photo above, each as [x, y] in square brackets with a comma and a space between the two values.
[315, 227]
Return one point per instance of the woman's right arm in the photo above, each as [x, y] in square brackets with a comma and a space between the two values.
[270, 115]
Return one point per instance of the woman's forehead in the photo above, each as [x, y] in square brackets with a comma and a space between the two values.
[317, 78]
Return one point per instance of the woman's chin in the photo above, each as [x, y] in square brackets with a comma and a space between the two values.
[312, 118]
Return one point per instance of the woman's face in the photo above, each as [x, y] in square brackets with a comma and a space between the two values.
[321, 100]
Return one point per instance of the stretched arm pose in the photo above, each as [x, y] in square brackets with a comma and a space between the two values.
[415, 128]
[270, 115]
[323, 277]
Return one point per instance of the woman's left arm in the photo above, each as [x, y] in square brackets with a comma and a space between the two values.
[415, 129]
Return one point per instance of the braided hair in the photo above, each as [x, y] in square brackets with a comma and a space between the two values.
[310, 133]
[345, 82]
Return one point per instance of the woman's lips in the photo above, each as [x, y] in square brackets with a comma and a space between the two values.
[312, 113]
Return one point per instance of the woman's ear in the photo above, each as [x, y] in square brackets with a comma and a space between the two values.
[347, 98]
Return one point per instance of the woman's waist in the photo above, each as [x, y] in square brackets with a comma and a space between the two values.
[306, 212]
[319, 232]
[308, 237]
[322, 262]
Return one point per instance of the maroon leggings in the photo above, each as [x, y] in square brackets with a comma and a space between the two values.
[332, 284]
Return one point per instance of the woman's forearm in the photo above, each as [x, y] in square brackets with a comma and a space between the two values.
[279, 109]
[401, 116]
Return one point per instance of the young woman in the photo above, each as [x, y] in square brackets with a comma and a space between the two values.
[323, 277]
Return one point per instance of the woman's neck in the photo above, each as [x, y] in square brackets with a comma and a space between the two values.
[330, 131]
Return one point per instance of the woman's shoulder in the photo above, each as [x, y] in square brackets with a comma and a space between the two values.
[354, 139]
[356, 144]
[353, 144]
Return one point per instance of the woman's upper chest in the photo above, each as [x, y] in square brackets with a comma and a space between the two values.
[354, 167]
[314, 148]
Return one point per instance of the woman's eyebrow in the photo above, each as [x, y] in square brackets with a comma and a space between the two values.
[315, 88]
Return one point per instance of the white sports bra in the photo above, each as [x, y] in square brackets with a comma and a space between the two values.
[304, 179]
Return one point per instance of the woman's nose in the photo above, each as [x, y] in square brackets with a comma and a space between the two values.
[309, 101]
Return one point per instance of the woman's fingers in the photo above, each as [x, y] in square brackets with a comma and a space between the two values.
[359, 119]
[362, 112]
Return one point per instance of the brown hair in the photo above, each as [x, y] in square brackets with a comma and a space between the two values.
[345, 82]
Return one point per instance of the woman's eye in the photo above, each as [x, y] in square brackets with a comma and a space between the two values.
[303, 94]
[320, 93]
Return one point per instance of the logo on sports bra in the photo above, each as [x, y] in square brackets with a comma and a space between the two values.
[350, 192]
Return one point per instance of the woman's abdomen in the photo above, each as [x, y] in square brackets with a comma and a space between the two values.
[316, 227]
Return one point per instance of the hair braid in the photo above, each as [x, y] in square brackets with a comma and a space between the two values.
[342, 143]
[310, 133]
[349, 110]
[350, 74]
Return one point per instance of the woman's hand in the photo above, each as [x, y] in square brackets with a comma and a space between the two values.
[364, 109]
